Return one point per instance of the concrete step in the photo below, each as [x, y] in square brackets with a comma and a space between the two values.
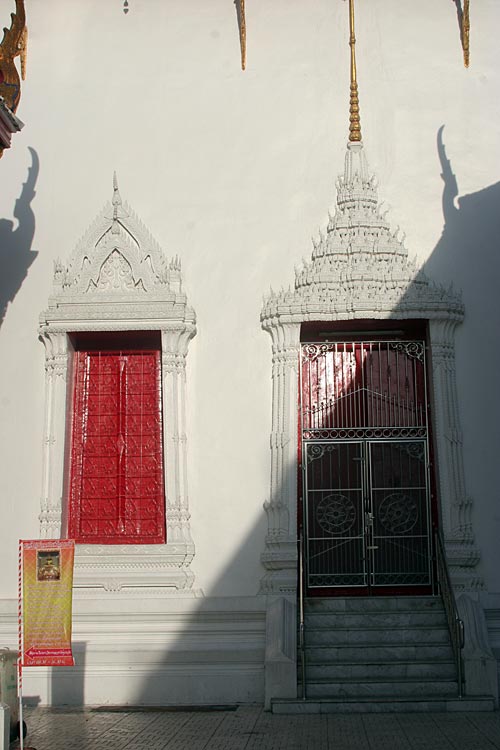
[377, 636]
[378, 654]
[405, 687]
[385, 671]
[370, 604]
[367, 652]
[383, 705]
[391, 619]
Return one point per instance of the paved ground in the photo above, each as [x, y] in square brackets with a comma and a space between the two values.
[250, 728]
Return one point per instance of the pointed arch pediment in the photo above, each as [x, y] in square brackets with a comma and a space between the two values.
[117, 265]
[128, 239]
[360, 268]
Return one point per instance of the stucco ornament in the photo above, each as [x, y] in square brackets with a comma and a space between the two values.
[118, 279]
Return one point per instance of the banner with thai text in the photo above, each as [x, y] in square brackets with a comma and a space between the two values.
[46, 611]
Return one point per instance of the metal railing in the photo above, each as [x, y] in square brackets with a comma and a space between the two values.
[302, 644]
[455, 623]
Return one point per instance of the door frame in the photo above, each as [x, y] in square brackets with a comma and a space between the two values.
[396, 331]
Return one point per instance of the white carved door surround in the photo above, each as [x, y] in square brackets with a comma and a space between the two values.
[360, 270]
[118, 280]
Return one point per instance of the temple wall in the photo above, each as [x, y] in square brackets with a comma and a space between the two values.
[234, 171]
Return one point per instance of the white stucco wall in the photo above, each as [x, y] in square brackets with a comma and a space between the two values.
[234, 171]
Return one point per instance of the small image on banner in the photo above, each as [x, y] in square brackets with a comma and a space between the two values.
[47, 589]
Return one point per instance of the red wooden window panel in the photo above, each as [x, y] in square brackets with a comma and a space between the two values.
[116, 479]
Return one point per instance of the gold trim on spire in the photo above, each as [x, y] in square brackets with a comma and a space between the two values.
[466, 32]
[354, 119]
[243, 34]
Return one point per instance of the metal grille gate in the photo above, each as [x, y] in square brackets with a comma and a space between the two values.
[365, 465]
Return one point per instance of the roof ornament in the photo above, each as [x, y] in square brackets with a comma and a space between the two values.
[354, 119]
[240, 13]
[13, 44]
[466, 33]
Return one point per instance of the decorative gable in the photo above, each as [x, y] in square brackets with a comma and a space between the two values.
[360, 269]
[117, 269]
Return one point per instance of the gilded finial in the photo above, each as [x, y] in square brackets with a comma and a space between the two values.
[466, 32]
[354, 119]
[240, 5]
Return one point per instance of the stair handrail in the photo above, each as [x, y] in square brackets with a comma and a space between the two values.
[455, 623]
[302, 646]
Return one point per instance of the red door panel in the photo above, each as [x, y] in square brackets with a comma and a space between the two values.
[116, 474]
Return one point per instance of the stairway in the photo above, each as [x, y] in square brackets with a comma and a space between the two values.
[367, 654]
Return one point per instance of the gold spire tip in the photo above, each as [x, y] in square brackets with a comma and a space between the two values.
[354, 118]
[465, 32]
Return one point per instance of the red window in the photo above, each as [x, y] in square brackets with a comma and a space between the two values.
[116, 488]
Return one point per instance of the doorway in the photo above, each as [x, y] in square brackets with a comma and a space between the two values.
[366, 490]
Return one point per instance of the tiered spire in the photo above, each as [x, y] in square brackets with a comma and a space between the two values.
[361, 267]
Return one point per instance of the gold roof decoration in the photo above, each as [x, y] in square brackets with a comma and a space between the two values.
[466, 32]
[354, 119]
[14, 44]
[242, 25]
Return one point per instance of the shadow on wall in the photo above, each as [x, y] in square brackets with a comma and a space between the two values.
[16, 255]
[71, 688]
[214, 647]
[468, 254]
[66, 684]
[460, 18]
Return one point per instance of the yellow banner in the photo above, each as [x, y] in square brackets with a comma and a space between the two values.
[47, 587]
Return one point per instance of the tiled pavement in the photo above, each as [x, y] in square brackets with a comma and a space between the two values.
[251, 728]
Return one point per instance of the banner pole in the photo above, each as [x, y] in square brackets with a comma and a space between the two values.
[20, 646]
[21, 722]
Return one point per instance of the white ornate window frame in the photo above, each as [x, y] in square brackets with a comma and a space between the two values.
[119, 280]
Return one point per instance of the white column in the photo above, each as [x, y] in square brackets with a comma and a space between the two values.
[455, 504]
[174, 350]
[280, 555]
[54, 437]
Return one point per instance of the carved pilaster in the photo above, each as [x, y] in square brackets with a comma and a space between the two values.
[456, 506]
[280, 554]
[56, 358]
[174, 350]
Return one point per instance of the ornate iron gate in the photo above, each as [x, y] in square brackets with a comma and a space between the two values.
[365, 465]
